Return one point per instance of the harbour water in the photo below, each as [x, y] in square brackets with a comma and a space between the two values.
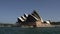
[18, 30]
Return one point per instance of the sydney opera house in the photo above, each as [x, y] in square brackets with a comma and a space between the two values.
[34, 20]
[31, 20]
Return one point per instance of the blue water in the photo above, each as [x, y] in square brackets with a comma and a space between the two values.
[18, 30]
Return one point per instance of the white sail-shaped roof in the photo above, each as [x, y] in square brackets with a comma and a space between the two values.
[21, 19]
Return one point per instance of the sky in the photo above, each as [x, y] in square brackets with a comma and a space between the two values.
[11, 9]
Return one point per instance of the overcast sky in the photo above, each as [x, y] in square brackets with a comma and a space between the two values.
[11, 9]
